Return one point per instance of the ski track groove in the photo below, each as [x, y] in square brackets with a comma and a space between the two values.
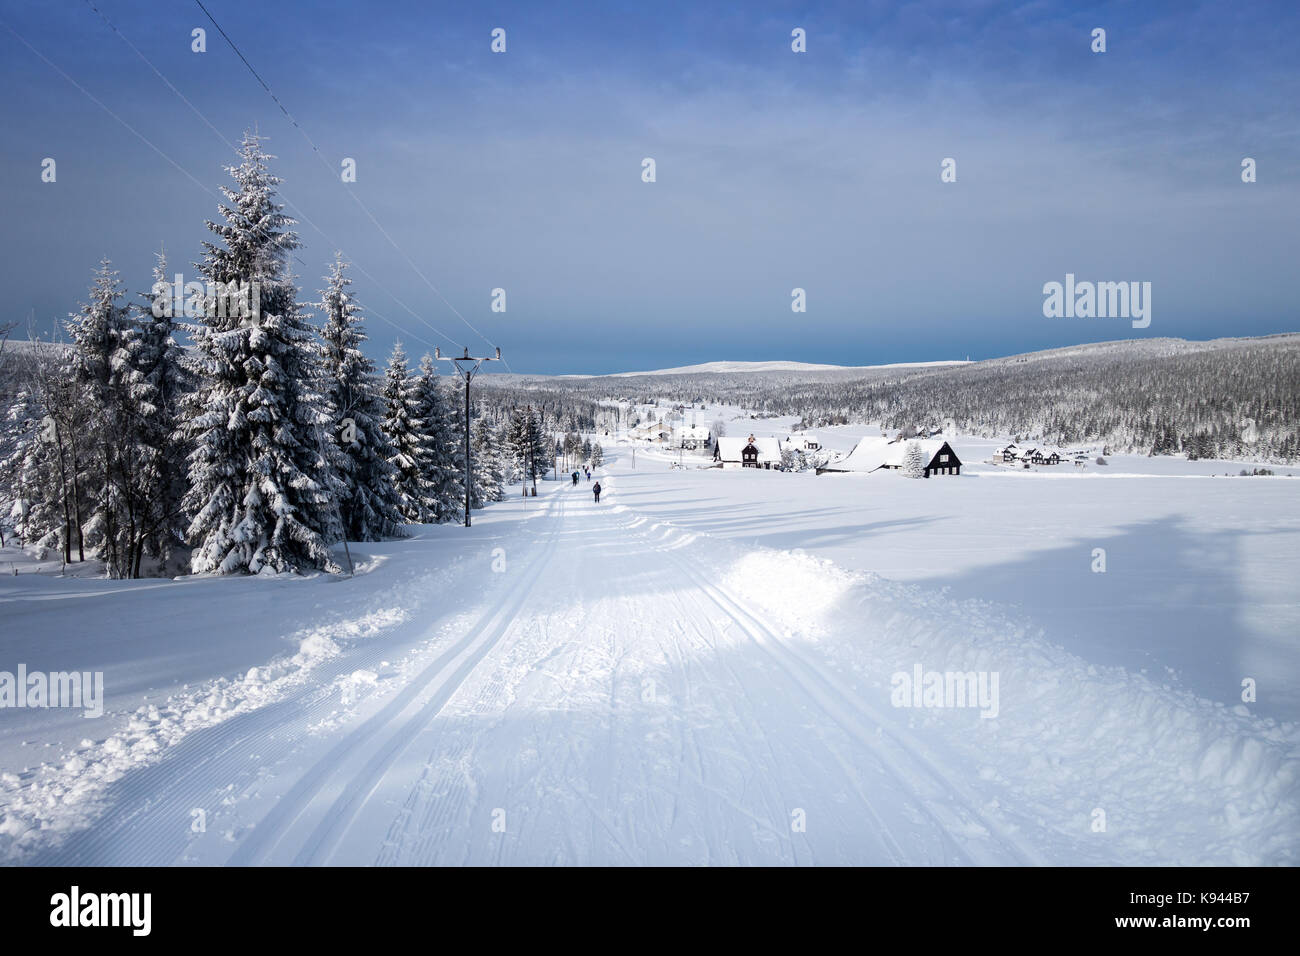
[267, 834]
[833, 700]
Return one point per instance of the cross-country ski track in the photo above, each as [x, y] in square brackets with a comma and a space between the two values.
[618, 693]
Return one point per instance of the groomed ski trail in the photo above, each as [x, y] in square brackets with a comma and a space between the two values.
[611, 704]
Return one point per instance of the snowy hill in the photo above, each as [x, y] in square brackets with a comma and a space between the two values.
[715, 368]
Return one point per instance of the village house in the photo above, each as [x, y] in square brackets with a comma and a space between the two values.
[652, 431]
[693, 436]
[803, 443]
[873, 454]
[1040, 456]
[748, 452]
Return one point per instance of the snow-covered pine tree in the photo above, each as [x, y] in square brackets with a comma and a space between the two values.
[444, 435]
[515, 445]
[504, 436]
[259, 476]
[410, 447]
[485, 465]
[913, 461]
[51, 434]
[597, 456]
[160, 391]
[528, 448]
[105, 382]
[369, 504]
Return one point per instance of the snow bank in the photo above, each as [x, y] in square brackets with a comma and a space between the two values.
[1112, 765]
[58, 797]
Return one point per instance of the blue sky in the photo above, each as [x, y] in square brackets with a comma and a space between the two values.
[775, 170]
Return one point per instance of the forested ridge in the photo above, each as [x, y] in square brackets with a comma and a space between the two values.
[1227, 398]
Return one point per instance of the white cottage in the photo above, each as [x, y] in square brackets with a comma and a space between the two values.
[693, 436]
[872, 454]
[748, 452]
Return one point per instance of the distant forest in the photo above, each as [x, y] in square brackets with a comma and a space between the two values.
[1229, 398]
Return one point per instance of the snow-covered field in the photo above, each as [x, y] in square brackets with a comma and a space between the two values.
[703, 668]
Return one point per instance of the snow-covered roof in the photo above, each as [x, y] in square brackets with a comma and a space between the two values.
[875, 452]
[697, 432]
[1045, 452]
[729, 448]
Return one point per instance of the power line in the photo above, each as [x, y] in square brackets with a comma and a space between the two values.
[302, 215]
[135, 132]
[219, 199]
[254, 72]
[330, 169]
[206, 189]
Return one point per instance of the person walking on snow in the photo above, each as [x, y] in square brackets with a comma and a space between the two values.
[596, 489]
[575, 477]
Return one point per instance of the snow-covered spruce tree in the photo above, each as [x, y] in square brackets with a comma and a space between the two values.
[370, 507]
[913, 461]
[159, 392]
[514, 446]
[259, 477]
[101, 368]
[444, 435]
[597, 456]
[50, 434]
[405, 430]
[485, 465]
[527, 445]
[507, 455]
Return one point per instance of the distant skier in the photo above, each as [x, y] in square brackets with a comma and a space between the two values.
[588, 471]
[596, 489]
[575, 477]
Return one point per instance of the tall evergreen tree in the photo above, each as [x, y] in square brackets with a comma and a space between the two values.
[508, 452]
[527, 446]
[160, 390]
[444, 430]
[259, 477]
[485, 465]
[405, 430]
[52, 434]
[106, 383]
[913, 461]
[369, 505]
